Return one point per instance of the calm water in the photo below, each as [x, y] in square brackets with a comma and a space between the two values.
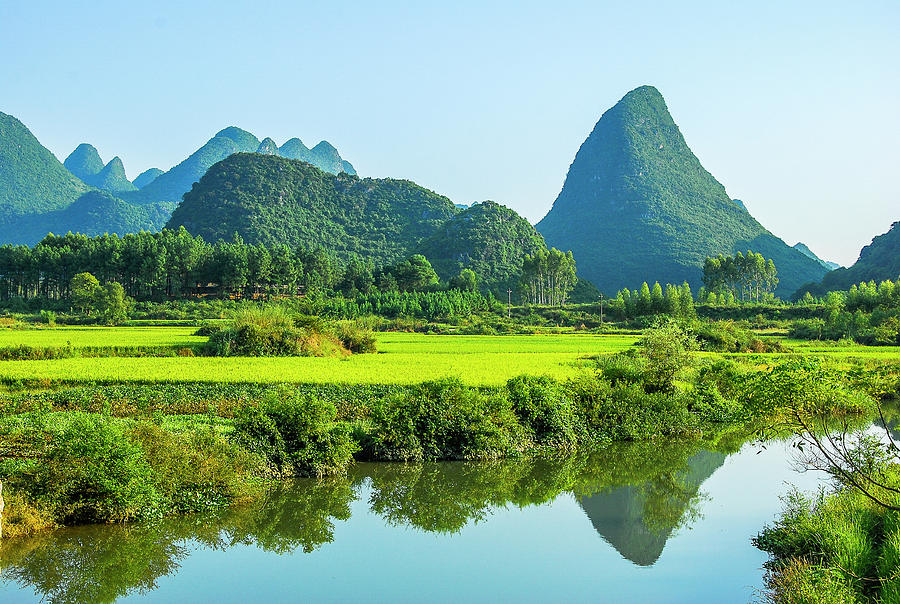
[642, 523]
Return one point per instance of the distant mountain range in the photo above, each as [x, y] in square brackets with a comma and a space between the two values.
[39, 195]
[637, 206]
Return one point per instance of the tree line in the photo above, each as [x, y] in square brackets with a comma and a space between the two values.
[548, 277]
[174, 264]
[748, 277]
[675, 300]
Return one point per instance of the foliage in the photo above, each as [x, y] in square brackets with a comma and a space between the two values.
[296, 435]
[442, 420]
[250, 194]
[877, 261]
[271, 332]
[666, 350]
[750, 276]
[487, 239]
[637, 204]
[547, 277]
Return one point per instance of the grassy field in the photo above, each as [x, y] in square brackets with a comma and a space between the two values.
[92, 337]
[403, 358]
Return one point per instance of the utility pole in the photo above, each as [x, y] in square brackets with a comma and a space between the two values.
[601, 312]
[509, 304]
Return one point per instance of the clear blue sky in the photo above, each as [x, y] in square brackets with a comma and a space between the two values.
[793, 106]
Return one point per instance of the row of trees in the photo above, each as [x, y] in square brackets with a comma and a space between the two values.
[676, 300]
[548, 277]
[174, 264]
[748, 277]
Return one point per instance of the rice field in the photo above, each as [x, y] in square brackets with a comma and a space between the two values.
[402, 358]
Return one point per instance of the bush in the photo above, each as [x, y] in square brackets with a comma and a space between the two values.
[271, 332]
[296, 434]
[543, 408]
[92, 472]
[666, 349]
[442, 420]
[355, 338]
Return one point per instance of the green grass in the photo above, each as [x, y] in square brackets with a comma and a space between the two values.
[93, 337]
[403, 358]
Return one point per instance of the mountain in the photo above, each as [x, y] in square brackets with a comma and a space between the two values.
[94, 213]
[171, 185]
[803, 249]
[84, 162]
[112, 178]
[274, 200]
[637, 206]
[146, 177]
[486, 237]
[878, 261]
[32, 180]
[267, 147]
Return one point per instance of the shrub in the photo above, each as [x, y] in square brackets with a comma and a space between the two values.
[442, 420]
[48, 317]
[356, 339]
[622, 368]
[296, 434]
[271, 332]
[92, 472]
[543, 408]
[666, 349]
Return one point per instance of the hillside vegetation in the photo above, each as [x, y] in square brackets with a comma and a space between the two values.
[637, 205]
[271, 200]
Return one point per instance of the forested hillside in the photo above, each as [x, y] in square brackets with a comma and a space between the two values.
[489, 239]
[31, 179]
[878, 261]
[270, 200]
[637, 205]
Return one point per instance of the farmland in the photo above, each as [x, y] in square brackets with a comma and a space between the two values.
[403, 358]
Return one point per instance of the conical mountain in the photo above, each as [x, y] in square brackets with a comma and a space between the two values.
[146, 177]
[804, 249]
[112, 178]
[84, 162]
[273, 200]
[637, 206]
[267, 147]
[32, 180]
[294, 149]
[486, 237]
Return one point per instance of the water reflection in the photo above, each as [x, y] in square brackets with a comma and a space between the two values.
[635, 496]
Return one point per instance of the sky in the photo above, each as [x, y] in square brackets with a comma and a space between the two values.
[793, 106]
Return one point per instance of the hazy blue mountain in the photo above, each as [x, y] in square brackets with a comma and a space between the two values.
[267, 147]
[803, 249]
[146, 177]
[112, 178]
[637, 206]
[84, 162]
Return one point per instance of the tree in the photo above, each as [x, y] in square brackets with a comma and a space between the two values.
[466, 280]
[666, 349]
[83, 291]
[415, 274]
[111, 303]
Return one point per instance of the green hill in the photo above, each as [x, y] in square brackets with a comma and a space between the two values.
[84, 162]
[146, 177]
[488, 238]
[878, 261]
[270, 199]
[112, 178]
[637, 206]
[32, 180]
[94, 213]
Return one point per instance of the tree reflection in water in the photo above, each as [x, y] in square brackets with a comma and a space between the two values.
[636, 496]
